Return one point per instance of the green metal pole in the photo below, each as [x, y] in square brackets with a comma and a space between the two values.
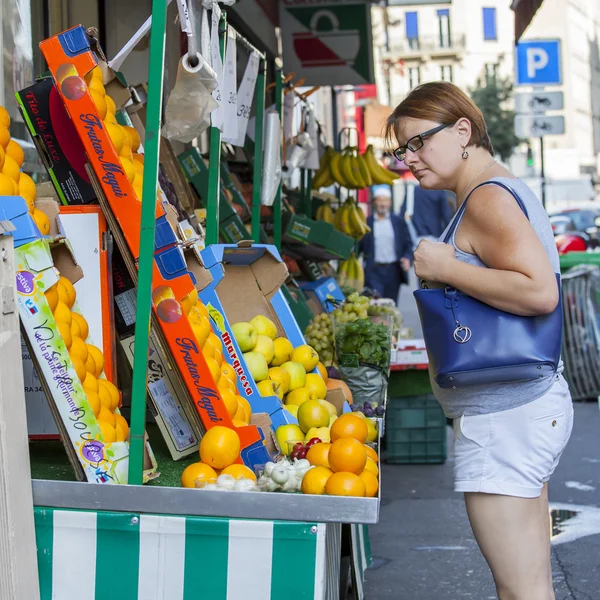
[258, 149]
[214, 164]
[147, 232]
[308, 194]
[277, 203]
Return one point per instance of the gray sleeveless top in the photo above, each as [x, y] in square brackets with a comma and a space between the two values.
[478, 400]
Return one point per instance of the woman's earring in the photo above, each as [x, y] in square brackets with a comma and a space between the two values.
[464, 154]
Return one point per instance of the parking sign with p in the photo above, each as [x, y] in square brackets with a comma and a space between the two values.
[538, 62]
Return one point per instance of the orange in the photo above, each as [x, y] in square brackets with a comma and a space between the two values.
[96, 355]
[27, 186]
[83, 324]
[79, 349]
[323, 372]
[318, 455]
[90, 364]
[16, 152]
[106, 415]
[345, 484]
[243, 402]
[220, 447]
[2, 156]
[218, 357]
[4, 117]
[347, 454]
[239, 472]
[371, 484]
[4, 136]
[229, 400]
[197, 472]
[128, 168]
[113, 391]
[202, 308]
[215, 370]
[215, 340]
[65, 333]
[65, 285]
[110, 116]
[91, 383]
[115, 132]
[372, 454]
[93, 401]
[7, 187]
[97, 85]
[237, 423]
[315, 480]
[105, 397]
[135, 138]
[79, 367]
[52, 297]
[41, 220]
[122, 428]
[349, 426]
[108, 431]
[372, 467]
[75, 329]
[228, 372]
[226, 384]
[201, 330]
[138, 164]
[241, 415]
[29, 201]
[62, 313]
[138, 158]
[11, 168]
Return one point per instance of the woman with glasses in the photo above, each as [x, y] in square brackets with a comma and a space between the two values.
[509, 435]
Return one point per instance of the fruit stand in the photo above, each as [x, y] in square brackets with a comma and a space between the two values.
[254, 451]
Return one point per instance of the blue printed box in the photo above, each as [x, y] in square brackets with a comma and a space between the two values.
[324, 294]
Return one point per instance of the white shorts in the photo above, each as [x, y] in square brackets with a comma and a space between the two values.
[513, 452]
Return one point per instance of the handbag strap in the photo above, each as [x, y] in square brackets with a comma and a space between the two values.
[459, 215]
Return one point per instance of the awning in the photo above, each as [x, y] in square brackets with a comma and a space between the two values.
[524, 12]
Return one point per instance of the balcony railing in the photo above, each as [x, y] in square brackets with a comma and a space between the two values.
[429, 45]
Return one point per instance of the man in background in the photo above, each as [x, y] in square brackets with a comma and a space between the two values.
[387, 249]
[426, 212]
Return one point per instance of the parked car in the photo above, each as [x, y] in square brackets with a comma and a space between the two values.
[576, 229]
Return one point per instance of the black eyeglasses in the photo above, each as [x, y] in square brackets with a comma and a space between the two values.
[416, 143]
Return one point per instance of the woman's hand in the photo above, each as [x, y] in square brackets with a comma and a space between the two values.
[433, 260]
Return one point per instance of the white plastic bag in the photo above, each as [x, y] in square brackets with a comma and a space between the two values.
[272, 159]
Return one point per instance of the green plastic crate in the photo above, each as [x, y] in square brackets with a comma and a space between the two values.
[415, 430]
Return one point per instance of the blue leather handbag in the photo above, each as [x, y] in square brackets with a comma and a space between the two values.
[472, 343]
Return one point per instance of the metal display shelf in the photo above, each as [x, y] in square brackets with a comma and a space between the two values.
[189, 502]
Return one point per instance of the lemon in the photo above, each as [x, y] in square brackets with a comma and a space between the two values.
[106, 415]
[79, 349]
[11, 168]
[128, 167]
[97, 86]
[65, 333]
[90, 382]
[115, 132]
[75, 329]
[99, 101]
[138, 165]
[98, 358]
[136, 142]
[67, 289]
[109, 433]
[15, 152]
[122, 428]
[93, 400]
[4, 136]
[7, 187]
[79, 368]
[2, 155]
[52, 297]
[110, 105]
[138, 158]
[97, 73]
[41, 220]
[4, 117]
[83, 326]
[110, 117]
[62, 313]
[113, 391]
[29, 201]
[27, 185]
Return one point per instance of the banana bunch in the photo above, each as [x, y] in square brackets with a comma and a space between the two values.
[351, 170]
[325, 213]
[351, 273]
[351, 220]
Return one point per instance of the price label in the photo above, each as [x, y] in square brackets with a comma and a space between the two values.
[230, 90]
[245, 96]
[217, 65]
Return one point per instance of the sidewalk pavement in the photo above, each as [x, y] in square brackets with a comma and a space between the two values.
[423, 548]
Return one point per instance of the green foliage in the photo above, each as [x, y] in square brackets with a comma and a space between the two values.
[491, 96]
[369, 341]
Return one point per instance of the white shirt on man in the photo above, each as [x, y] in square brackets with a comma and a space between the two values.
[385, 240]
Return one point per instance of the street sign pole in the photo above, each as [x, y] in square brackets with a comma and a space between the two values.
[542, 173]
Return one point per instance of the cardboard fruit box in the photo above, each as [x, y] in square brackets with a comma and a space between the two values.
[38, 265]
[240, 282]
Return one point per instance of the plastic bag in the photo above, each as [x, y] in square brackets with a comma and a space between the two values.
[188, 110]
[367, 384]
[272, 159]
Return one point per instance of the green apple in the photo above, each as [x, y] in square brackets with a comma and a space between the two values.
[245, 335]
[264, 326]
[287, 436]
[297, 374]
[265, 346]
[257, 365]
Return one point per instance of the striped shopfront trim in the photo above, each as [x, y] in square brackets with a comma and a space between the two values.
[122, 556]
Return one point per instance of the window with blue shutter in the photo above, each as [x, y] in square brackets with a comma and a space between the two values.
[489, 24]
[444, 27]
[412, 29]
